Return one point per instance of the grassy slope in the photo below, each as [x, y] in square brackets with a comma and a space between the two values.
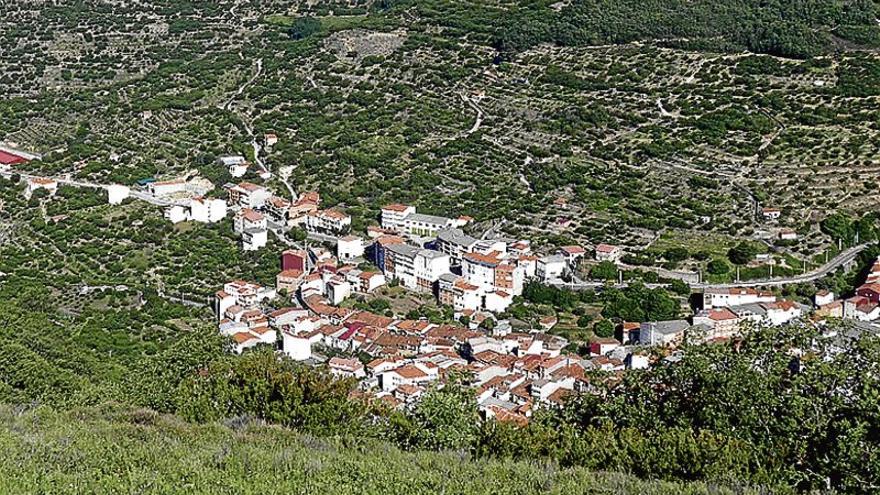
[110, 451]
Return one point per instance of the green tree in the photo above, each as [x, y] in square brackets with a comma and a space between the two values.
[446, 418]
[718, 267]
[604, 270]
[742, 253]
[303, 27]
[604, 329]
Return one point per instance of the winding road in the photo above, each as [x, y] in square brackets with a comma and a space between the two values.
[841, 259]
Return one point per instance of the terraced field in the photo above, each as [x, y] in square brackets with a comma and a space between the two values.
[615, 143]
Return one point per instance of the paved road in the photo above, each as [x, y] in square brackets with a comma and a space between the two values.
[841, 259]
[138, 194]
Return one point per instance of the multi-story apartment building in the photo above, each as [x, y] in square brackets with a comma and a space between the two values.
[490, 272]
[394, 215]
[247, 219]
[207, 210]
[416, 268]
[329, 221]
[456, 244]
[248, 195]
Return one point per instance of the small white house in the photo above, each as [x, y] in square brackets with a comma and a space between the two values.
[824, 297]
[550, 268]
[771, 213]
[254, 239]
[116, 193]
[37, 183]
[338, 290]
[297, 346]
[247, 219]
[607, 252]
[349, 247]
[498, 301]
[176, 214]
[237, 171]
[346, 367]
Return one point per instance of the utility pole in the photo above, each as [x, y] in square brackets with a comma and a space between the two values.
[737, 274]
[805, 266]
[771, 270]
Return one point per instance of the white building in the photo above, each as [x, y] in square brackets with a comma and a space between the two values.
[782, 312]
[37, 183]
[497, 301]
[176, 214]
[408, 374]
[349, 247]
[490, 273]
[116, 193]
[455, 291]
[417, 269]
[607, 252]
[167, 188]
[241, 293]
[254, 239]
[715, 298]
[328, 221]
[248, 195]
[207, 210]
[393, 215]
[349, 368]
[550, 268]
[338, 290]
[426, 225]
[298, 346]
[771, 213]
[823, 297]
[247, 219]
[364, 282]
[456, 244]
[663, 332]
[232, 160]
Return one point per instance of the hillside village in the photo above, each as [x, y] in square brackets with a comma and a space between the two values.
[396, 359]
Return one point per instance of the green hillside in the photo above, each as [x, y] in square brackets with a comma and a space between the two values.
[126, 451]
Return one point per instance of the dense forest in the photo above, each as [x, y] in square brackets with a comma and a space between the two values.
[797, 29]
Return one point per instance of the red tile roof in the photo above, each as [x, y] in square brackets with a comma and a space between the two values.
[11, 159]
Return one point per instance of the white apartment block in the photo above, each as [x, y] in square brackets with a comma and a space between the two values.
[393, 215]
[247, 219]
[254, 239]
[248, 195]
[328, 221]
[456, 244]
[404, 219]
[207, 210]
[416, 269]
